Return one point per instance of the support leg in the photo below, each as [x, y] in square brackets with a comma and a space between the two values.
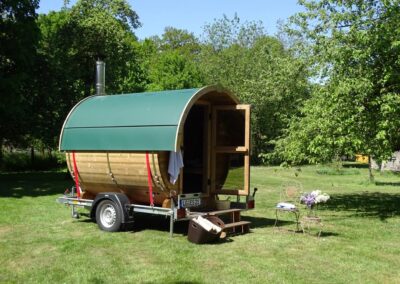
[74, 212]
[297, 214]
[171, 217]
[276, 218]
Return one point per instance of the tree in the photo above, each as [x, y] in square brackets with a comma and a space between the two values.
[171, 61]
[18, 37]
[102, 29]
[353, 46]
[178, 39]
[225, 57]
[276, 90]
[261, 71]
[172, 70]
[71, 42]
[224, 33]
[120, 10]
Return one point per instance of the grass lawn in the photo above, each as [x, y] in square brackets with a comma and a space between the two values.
[39, 242]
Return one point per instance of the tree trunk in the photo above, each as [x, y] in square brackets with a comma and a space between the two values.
[371, 176]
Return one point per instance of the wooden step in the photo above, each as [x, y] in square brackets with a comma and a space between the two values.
[222, 212]
[237, 227]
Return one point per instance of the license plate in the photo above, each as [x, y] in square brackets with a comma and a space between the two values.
[193, 202]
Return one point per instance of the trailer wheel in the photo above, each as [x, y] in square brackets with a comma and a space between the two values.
[108, 216]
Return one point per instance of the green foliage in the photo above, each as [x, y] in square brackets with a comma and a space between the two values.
[261, 71]
[171, 61]
[18, 40]
[99, 30]
[71, 41]
[239, 56]
[226, 57]
[224, 33]
[120, 10]
[17, 161]
[353, 46]
[177, 39]
[349, 49]
[172, 71]
[277, 91]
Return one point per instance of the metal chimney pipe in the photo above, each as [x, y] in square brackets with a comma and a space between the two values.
[100, 78]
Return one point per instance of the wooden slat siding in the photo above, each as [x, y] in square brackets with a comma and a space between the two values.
[141, 195]
[82, 184]
[129, 172]
[157, 177]
[163, 159]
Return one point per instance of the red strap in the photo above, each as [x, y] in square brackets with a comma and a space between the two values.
[78, 192]
[149, 179]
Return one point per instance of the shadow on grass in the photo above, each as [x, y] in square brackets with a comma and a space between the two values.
[355, 165]
[188, 282]
[148, 222]
[328, 234]
[387, 183]
[261, 222]
[145, 222]
[158, 223]
[33, 184]
[366, 204]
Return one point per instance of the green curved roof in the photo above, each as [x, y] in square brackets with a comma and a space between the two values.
[140, 121]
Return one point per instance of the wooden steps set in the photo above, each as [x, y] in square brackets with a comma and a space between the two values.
[236, 225]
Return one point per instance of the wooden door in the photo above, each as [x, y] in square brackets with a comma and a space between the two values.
[230, 147]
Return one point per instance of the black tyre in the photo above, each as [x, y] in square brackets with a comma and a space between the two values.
[108, 216]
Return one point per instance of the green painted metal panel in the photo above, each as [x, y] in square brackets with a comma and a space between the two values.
[120, 138]
[142, 109]
[141, 121]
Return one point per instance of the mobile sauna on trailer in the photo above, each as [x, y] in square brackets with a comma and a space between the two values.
[170, 153]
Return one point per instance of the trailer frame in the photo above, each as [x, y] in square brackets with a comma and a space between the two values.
[173, 213]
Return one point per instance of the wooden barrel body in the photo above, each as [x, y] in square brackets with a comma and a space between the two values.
[124, 172]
